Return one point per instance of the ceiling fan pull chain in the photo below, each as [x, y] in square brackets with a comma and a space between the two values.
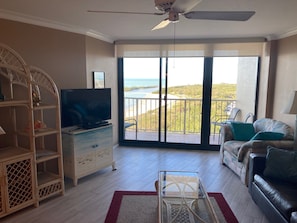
[174, 33]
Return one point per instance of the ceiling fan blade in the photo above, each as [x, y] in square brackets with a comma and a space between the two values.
[220, 15]
[183, 6]
[123, 12]
[162, 24]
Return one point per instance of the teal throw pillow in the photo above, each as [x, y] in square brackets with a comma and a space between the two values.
[281, 164]
[242, 131]
[268, 136]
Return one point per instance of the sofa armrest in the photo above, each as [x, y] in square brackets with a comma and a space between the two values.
[226, 133]
[260, 146]
[253, 146]
[257, 164]
[293, 217]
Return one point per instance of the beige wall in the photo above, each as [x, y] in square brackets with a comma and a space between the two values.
[100, 57]
[60, 54]
[286, 77]
[68, 58]
[278, 78]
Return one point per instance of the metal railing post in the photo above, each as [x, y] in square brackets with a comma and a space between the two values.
[185, 115]
[138, 110]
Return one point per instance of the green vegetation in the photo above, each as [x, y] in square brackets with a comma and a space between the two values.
[185, 115]
[224, 91]
[219, 91]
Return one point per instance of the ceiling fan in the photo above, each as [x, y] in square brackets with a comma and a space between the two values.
[175, 8]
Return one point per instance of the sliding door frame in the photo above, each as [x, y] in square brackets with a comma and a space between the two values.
[206, 110]
[205, 126]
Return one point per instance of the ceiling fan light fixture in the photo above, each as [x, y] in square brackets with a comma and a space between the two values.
[173, 16]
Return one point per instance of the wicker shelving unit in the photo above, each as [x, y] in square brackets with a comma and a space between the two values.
[31, 166]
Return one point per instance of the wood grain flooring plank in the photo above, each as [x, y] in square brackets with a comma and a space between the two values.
[137, 169]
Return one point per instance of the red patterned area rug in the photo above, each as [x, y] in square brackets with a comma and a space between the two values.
[141, 206]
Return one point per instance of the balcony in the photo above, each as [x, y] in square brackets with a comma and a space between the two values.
[183, 122]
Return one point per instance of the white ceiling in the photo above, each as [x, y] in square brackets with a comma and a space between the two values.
[273, 19]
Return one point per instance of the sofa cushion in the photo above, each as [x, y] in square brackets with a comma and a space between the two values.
[283, 195]
[242, 131]
[281, 164]
[268, 136]
[233, 146]
[270, 125]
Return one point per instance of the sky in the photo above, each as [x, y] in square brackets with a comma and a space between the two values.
[182, 71]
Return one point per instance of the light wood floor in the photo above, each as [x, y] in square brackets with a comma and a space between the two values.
[137, 169]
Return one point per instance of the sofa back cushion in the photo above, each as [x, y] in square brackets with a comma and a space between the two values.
[270, 125]
[281, 164]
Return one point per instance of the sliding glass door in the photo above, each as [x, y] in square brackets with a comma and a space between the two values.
[183, 100]
[175, 101]
[163, 99]
[141, 81]
[233, 95]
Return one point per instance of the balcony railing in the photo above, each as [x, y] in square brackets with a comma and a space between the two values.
[183, 115]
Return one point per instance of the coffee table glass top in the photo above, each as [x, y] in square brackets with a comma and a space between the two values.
[182, 198]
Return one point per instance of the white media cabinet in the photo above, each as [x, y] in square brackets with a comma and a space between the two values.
[86, 151]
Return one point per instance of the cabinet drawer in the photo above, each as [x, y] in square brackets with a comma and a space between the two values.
[93, 140]
[104, 157]
[85, 142]
[85, 163]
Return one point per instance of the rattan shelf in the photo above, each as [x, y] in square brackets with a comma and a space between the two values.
[49, 184]
[7, 152]
[44, 106]
[45, 155]
[45, 132]
[30, 117]
[45, 178]
[11, 103]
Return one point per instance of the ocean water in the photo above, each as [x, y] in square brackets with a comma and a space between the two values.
[140, 88]
[141, 82]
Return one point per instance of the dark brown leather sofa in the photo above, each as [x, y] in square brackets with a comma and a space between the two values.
[276, 198]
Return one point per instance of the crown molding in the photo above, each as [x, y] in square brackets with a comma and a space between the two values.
[289, 33]
[18, 17]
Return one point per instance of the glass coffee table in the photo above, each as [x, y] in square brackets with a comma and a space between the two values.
[182, 198]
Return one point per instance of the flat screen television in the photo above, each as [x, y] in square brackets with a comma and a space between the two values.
[85, 108]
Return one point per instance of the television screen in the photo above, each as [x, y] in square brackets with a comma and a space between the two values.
[86, 108]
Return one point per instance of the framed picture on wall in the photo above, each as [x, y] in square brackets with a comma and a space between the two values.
[98, 79]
